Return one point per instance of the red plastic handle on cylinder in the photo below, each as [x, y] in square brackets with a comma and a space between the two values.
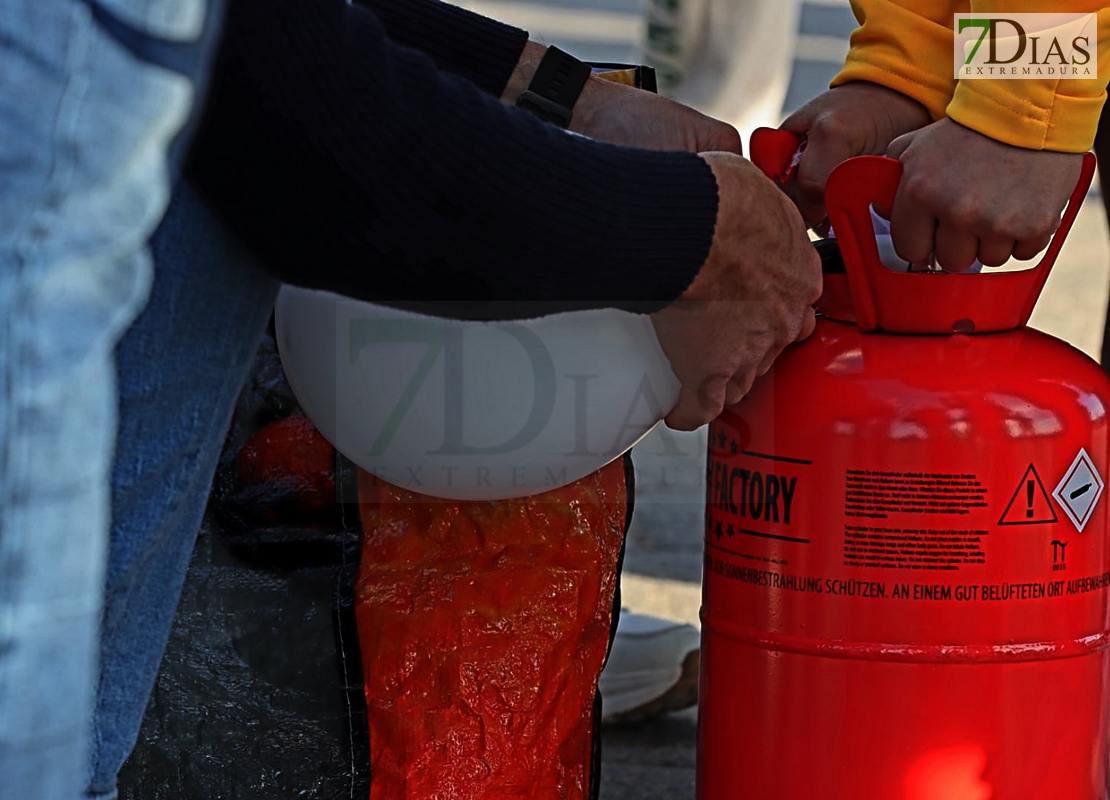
[773, 150]
[928, 302]
[913, 302]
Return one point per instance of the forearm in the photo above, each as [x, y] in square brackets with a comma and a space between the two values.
[352, 164]
[598, 96]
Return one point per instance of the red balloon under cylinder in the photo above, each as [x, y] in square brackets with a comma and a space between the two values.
[906, 564]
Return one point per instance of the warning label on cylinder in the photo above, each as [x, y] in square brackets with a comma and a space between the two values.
[717, 561]
[1079, 490]
[843, 587]
[876, 494]
[872, 496]
[1029, 504]
[913, 548]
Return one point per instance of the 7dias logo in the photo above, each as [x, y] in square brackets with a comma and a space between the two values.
[1026, 46]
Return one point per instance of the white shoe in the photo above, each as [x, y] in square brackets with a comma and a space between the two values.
[652, 668]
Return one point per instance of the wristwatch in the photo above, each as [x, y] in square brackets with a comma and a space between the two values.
[555, 87]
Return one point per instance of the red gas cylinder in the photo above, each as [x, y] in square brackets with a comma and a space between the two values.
[906, 562]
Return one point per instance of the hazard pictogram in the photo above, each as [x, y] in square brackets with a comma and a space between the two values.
[1030, 504]
[1079, 490]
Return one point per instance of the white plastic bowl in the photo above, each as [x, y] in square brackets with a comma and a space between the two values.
[473, 410]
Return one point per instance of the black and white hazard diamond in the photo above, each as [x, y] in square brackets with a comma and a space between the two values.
[1079, 490]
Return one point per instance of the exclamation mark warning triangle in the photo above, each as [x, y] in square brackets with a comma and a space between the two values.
[1030, 504]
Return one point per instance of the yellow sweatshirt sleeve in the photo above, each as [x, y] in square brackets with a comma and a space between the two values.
[907, 47]
[1042, 114]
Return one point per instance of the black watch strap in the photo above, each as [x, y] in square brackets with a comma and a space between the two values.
[555, 87]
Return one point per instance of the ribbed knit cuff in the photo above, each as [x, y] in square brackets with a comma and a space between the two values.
[647, 247]
[1032, 117]
[480, 49]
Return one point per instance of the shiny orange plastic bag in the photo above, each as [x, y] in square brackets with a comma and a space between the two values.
[483, 628]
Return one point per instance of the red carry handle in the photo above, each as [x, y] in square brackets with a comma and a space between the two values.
[928, 302]
[773, 152]
[914, 302]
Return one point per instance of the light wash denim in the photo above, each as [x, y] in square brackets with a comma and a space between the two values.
[181, 368]
[84, 129]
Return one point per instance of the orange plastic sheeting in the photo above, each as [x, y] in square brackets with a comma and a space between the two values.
[483, 628]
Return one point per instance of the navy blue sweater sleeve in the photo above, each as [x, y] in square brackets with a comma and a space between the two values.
[351, 163]
[479, 48]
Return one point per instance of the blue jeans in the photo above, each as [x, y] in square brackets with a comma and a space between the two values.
[84, 129]
[181, 367]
